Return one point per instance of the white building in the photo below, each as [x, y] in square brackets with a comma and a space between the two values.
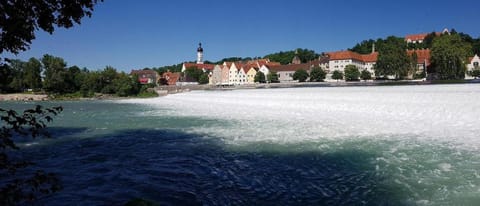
[473, 63]
[233, 74]
[339, 60]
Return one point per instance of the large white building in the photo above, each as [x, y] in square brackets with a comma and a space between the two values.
[340, 59]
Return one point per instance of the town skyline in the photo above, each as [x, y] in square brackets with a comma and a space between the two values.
[148, 36]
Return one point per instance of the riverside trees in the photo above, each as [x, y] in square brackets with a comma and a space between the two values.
[392, 59]
[449, 54]
[351, 73]
[18, 22]
[61, 79]
[337, 75]
[317, 74]
[301, 75]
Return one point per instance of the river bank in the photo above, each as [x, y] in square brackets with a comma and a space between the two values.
[174, 89]
[24, 97]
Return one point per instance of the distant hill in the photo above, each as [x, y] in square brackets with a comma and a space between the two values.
[285, 57]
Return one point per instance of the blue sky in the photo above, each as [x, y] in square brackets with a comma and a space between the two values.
[129, 34]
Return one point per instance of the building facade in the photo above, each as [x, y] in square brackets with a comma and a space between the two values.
[146, 76]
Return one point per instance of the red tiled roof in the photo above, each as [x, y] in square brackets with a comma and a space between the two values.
[291, 67]
[372, 57]
[142, 72]
[423, 55]
[416, 37]
[339, 55]
[200, 66]
[171, 78]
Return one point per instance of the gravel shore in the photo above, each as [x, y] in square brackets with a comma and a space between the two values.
[23, 97]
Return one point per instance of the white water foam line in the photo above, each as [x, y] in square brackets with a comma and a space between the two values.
[440, 113]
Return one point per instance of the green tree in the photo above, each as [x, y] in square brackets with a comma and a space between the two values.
[365, 75]
[107, 76]
[449, 52]
[412, 65]
[285, 57]
[14, 188]
[272, 77]
[364, 47]
[55, 74]
[428, 41]
[203, 79]
[351, 73]
[301, 75]
[171, 68]
[75, 77]
[17, 72]
[337, 75]
[33, 70]
[6, 74]
[92, 82]
[317, 74]
[194, 73]
[476, 46]
[125, 85]
[392, 59]
[259, 77]
[19, 19]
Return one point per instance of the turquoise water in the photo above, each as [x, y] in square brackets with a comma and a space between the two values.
[303, 146]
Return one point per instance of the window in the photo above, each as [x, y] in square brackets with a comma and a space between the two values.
[475, 64]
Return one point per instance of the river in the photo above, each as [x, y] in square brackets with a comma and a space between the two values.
[381, 145]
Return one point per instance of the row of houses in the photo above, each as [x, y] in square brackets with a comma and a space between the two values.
[240, 73]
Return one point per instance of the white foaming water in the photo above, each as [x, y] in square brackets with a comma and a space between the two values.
[445, 113]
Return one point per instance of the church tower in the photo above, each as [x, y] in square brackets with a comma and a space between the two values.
[296, 59]
[200, 54]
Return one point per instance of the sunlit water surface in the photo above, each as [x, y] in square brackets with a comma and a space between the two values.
[403, 145]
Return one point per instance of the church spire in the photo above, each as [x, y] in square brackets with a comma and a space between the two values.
[296, 59]
[199, 54]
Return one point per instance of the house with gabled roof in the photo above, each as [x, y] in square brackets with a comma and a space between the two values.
[265, 69]
[473, 63]
[423, 59]
[242, 76]
[340, 59]
[171, 78]
[369, 61]
[285, 72]
[233, 73]
[215, 77]
[225, 75]
[146, 76]
[251, 72]
[419, 38]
